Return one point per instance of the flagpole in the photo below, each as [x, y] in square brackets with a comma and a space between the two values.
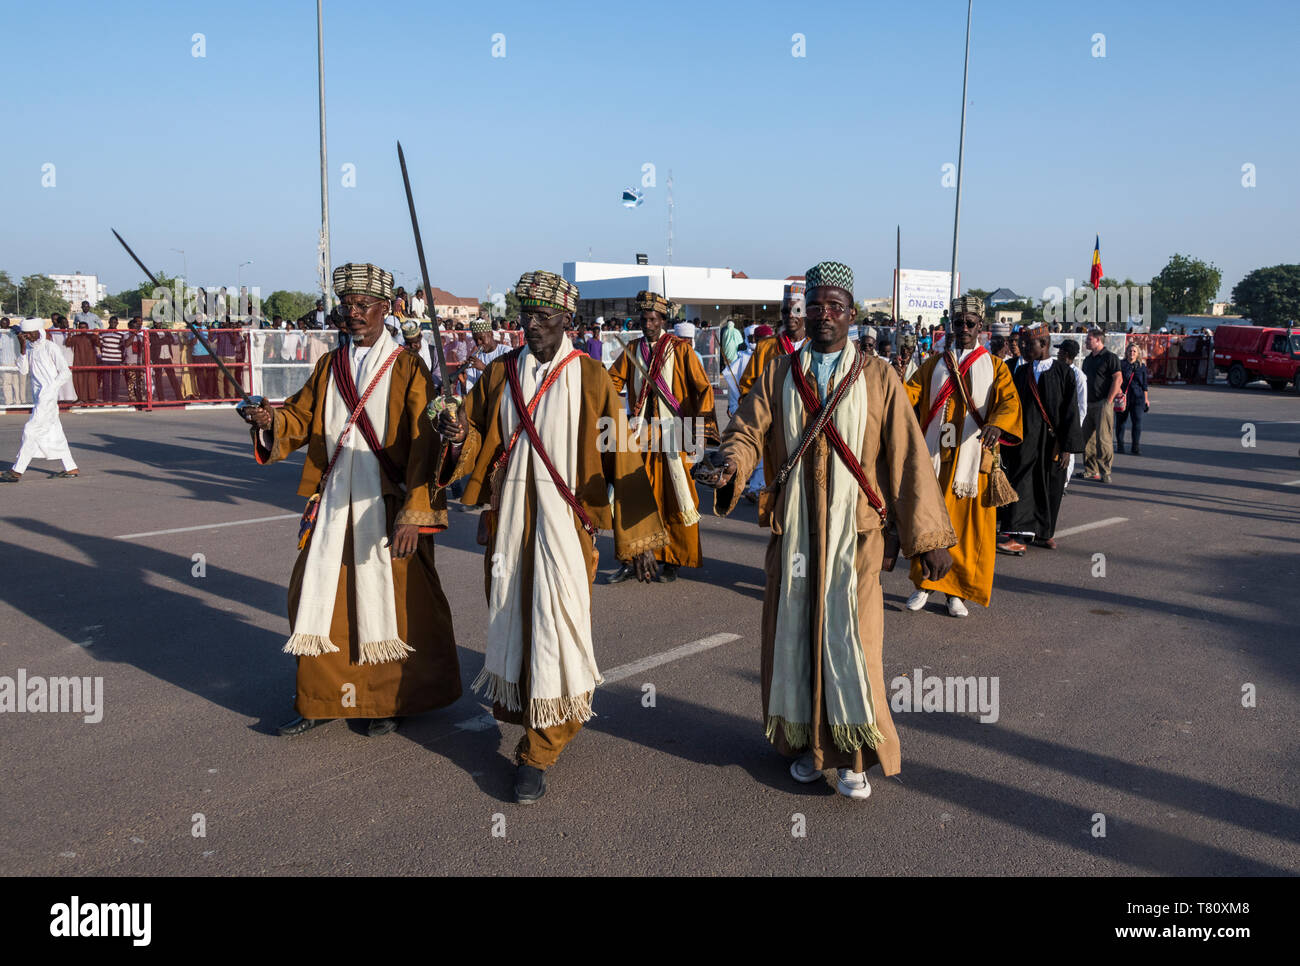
[323, 270]
[961, 151]
[898, 270]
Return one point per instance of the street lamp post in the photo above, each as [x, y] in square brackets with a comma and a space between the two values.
[185, 265]
[239, 307]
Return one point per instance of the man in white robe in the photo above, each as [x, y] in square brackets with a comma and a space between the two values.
[43, 437]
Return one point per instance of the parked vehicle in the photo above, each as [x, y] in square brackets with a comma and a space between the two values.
[1250, 352]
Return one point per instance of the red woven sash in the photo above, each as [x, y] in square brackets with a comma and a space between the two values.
[526, 425]
[814, 407]
[949, 387]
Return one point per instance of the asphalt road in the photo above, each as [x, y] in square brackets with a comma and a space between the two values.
[1119, 695]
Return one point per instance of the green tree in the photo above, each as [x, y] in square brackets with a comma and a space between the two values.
[289, 305]
[40, 296]
[113, 305]
[980, 293]
[127, 302]
[8, 295]
[1269, 296]
[1186, 285]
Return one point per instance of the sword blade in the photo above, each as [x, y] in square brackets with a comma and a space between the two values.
[234, 380]
[447, 394]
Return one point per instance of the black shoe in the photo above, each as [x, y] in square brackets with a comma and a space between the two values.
[1135, 451]
[627, 571]
[381, 726]
[530, 784]
[667, 573]
[298, 725]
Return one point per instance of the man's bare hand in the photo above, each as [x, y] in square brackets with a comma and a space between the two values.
[889, 556]
[935, 564]
[647, 568]
[259, 416]
[989, 436]
[715, 474]
[404, 540]
[453, 426]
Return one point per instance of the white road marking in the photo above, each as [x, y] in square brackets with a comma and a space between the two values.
[675, 654]
[1096, 524]
[1292, 483]
[481, 722]
[207, 526]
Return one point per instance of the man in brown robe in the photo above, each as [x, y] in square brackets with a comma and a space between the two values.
[823, 685]
[541, 557]
[670, 402]
[377, 642]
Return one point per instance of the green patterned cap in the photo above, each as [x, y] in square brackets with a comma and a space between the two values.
[834, 274]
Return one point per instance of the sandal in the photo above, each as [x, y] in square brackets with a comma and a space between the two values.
[9, 476]
[67, 475]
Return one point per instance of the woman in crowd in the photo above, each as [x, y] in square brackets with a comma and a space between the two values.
[1134, 399]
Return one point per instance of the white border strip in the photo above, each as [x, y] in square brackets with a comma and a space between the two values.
[1095, 525]
[484, 721]
[675, 654]
[206, 526]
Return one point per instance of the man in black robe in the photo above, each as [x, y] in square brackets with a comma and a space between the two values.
[1036, 468]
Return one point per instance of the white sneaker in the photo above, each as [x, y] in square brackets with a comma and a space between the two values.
[956, 608]
[852, 784]
[802, 770]
[918, 600]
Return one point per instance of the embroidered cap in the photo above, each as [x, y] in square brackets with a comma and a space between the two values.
[653, 302]
[362, 278]
[968, 303]
[548, 289]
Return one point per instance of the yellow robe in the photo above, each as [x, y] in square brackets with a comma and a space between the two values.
[971, 577]
[767, 349]
[692, 389]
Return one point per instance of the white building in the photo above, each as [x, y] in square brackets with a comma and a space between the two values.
[78, 288]
[711, 295]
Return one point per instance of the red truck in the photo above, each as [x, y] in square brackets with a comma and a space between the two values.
[1250, 352]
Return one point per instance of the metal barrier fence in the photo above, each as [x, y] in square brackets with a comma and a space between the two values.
[276, 362]
[1176, 358]
[161, 368]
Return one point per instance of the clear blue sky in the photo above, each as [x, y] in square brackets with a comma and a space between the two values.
[778, 161]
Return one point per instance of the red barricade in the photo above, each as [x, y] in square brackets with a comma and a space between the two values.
[159, 367]
[1175, 358]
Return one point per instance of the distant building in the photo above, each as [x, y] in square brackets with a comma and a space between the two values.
[78, 288]
[447, 306]
[1002, 296]
[1008, 315]
[711, 295]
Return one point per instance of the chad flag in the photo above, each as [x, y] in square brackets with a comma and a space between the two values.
[1095, 277]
